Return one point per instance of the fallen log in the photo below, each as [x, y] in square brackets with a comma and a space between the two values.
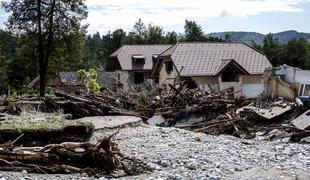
[67, 157]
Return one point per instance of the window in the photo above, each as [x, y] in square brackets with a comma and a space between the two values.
[230, 75]
[304, 90]
[138, 78]
[138, 59]
[169, 66]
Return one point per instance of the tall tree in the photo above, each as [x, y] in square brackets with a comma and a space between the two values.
[137, 36]
[47, 19]
[154, 34]
[171, 37]
[295, 53]
[193, 31]
[271, 49]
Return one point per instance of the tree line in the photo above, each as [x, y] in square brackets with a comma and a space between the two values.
[46, 36]
[77, 50]
[295, 52]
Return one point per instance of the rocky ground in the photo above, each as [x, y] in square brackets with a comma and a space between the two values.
[171, 153]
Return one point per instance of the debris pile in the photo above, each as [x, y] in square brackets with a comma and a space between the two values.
[67, 157]
[191, 109]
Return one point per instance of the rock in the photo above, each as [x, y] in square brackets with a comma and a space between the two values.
[84, 175]
[156, 120]
[286, 140]
[164, 163]
[192, 164]
[24, 171]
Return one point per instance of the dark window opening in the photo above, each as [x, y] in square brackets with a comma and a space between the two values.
[230, 75]
[156, 80]
[138, 78]
[169, 66]
[138, 59]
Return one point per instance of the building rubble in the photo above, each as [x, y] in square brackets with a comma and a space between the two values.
[192, 109]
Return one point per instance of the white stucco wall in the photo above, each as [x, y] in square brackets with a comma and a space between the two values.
[292, 75]
[252, 86]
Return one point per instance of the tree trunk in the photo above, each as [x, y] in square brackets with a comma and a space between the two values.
[50, 35]
[42, 70]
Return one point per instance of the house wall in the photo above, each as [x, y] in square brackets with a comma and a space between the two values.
[126, 78]
[252, 86]
[167, 78]
[205, 83]
[293, 75]
[248, 86]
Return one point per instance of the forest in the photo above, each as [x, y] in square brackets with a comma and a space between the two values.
[77, 49]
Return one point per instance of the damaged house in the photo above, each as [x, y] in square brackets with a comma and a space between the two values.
[134, 63]
[214, 67]
[288, 82]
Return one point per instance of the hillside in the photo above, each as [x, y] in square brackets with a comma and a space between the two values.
[249, 37]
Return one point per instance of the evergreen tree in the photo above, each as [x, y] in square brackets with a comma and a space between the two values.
[193, 31]
[47, 19]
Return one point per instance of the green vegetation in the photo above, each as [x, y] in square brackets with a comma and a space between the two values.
[91, 85]
[72, 49]
[295, 53]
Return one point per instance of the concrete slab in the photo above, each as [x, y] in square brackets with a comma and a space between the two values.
[113, 122]
[268, 113]
[303, 121]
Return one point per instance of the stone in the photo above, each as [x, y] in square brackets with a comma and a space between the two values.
[84, 174]
[156, 120]
[24, 171]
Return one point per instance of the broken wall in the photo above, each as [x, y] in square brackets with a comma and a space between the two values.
[275, 87]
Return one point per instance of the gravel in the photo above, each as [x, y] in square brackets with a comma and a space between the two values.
[179, 154]
[171, 153]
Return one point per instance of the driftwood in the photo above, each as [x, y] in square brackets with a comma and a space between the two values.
[67, 157]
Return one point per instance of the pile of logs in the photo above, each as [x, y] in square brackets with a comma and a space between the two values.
[145, 104]
[67, 157]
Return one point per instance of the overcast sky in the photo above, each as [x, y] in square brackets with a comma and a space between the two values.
[213, 15]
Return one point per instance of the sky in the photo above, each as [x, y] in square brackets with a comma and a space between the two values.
[261, 16]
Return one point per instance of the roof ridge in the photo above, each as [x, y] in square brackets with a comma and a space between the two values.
[168, 49]
[147, 44]
[198, 42]
[176, 45]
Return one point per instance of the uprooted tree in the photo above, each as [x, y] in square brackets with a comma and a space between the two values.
[47, 19]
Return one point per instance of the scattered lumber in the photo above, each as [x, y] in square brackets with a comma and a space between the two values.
[67, 157]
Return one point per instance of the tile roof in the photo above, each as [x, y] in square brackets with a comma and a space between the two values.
[204, 59]
[125, 53]
[229, 62]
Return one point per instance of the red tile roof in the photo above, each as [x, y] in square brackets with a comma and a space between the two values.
[204, 59]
